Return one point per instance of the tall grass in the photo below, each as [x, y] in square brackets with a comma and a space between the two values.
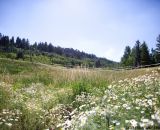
[36, 90]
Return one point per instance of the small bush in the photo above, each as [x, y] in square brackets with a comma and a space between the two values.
[79, 87]
[20, 55]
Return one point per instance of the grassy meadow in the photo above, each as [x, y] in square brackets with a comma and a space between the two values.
[41, 97]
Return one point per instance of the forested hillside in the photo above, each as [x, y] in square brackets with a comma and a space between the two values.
[20, 48]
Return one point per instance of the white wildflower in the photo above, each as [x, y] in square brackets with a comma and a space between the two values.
[83, 120]
[142, 112]
[8, 124]
[153, 116]
[127, 121]
[68, 123]
[117, 123]
[149, 102]
[145, 120]
[133, 123]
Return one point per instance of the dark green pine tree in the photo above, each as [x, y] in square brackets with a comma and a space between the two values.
[12, 44]
[152, 56]
[22, 46]
[145, 57]
[158, 44]
[137, 54]
[18, 43]
[5, 43]
[157, 50]
[34, 46]
[126, 56]
[97, 63]
[132, 59]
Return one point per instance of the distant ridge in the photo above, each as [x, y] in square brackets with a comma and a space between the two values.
[56, 54]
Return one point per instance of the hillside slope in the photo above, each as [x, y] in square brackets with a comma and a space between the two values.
[48, 53]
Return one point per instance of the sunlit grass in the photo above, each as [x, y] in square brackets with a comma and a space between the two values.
[48, 96]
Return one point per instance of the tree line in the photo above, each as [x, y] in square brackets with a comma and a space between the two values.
[10, 44]
[141, 55]
[21, 46]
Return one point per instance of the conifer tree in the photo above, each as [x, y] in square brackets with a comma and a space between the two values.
[157, 50]
[137, 54]
[145, 58]
[126, 56]
[12, 44]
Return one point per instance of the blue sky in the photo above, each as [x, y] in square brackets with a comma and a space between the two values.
[102, 27]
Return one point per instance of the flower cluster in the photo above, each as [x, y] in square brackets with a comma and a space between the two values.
[126, 104]
[9, 117]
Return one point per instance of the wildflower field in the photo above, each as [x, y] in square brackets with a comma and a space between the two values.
[43, 97]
